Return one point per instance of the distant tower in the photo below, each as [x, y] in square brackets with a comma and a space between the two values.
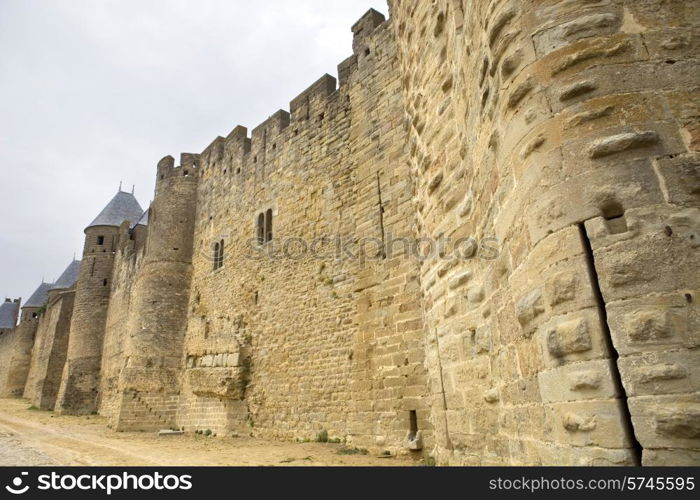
[156, 327]
[79, 385]
[15, 369]
[10, 336]
[51, 341]
[9, 311]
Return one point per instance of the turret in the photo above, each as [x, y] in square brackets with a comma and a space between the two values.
[31, 309]
[171, 215]
[48, 354]
[78, 393]
[160, 295]
[19, 342]
[66, 281]
[9, 312]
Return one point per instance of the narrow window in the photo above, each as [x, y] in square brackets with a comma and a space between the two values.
[614, 215]
[413, 425]
[268, 226]
[217, 246]
[104, 282]
[261, 229]
[221, 254]
[100, 240]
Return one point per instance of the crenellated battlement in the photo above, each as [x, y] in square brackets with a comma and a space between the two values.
[270, 128]
[491, 207]
[311, 109]
[310, 98]
[363, 30]
[189, 166]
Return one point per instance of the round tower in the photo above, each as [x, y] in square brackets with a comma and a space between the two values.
[158, 316]
[14, 368]
[79, 385]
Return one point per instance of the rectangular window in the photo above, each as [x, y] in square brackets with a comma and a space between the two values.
[100, 240]
[268, 226]
[218, 255]
[261, 229]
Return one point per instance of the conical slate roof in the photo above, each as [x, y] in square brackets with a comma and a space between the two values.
[69, 276]
[123, 206]
[143, 221]
[39, 297]
[8, 314]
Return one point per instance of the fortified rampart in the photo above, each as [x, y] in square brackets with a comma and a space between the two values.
[282, 283]
[569, 130]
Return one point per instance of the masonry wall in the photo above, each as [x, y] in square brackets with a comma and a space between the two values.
[80, 384]
[150, 379]
[128, 260]
[15, 354]
[7, 342]
[48, 355]
[545, 151]
[288, 344]
[567, 131]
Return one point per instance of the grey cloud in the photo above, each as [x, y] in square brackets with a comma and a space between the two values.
[94, 92]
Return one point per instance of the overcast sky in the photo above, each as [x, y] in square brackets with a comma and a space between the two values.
[94, 92]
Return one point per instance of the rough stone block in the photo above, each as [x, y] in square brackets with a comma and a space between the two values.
[216, 382]
[570, 337]
[529, 307]
[667, 421]
[579, 381]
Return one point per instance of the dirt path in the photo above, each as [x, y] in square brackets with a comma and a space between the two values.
[32, 438]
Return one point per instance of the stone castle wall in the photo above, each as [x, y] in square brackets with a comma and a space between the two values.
[16, 353]
[49, 350]
[127, 262]
[568, 131]
[79, 389]
[150, 379]
[293, 344]
[545, 151]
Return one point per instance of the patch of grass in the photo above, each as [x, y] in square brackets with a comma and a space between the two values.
[207, 432]
[322, 437]
[353, 451]
[386, 453]
[34, 408]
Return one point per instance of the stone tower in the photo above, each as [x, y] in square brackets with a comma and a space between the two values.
[18, 343]
[9, 311]
[150, 379]
[564, 130]
[51, 341]
[78, 391]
